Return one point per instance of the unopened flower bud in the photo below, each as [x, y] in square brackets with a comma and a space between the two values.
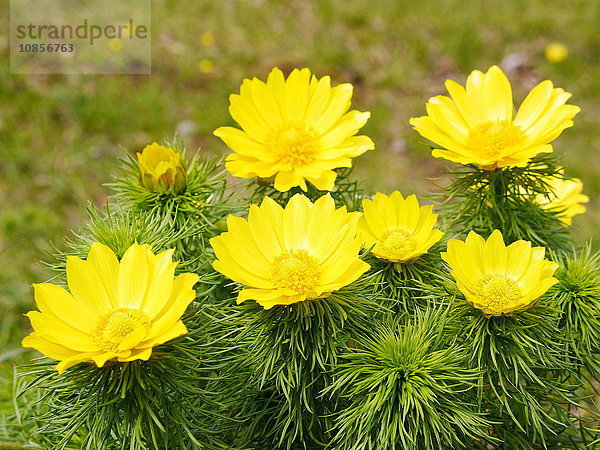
[162, 169]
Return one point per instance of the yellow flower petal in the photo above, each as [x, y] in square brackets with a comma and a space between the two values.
[565, 198]
[86, 288]
[55, 301]
[181, 296]
[173, 331]
[498, 95]
[133, 276]
[162, 169]
[495, 254]
[52, 328]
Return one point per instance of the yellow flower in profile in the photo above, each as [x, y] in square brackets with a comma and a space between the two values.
[398, 229]
[282, 256]
[295, 130]
[162, 169]
[565, 198]
[114, 311]
[556, 52]
[476, 125]
[499, 279]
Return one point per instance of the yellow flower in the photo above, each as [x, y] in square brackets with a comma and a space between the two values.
[476, 125]
[565, 198]
[114, 311]
[162, 169]
[296, 130]
[399, 228]
[499, 279]
[207, 39]
[206, 65]
[556, 52]
[284, 256]
[115, 44]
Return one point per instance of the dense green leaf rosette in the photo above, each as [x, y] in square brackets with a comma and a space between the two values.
[577, 297]
[407, 387]
[119, 227]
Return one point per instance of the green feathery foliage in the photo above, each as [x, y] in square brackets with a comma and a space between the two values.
[525, 381]
[407, 387]
[289, 353]
[483, 201]
[398, 359]
[577, 297]
[398, 285]
[118, 228]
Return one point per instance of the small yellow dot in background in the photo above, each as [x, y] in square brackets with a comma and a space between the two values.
[556, 52]
[207, 39]
[115, 44]
[127, 31]
[206, 66]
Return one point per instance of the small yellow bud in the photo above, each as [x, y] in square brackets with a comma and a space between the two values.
[162, 169]
[556, 52]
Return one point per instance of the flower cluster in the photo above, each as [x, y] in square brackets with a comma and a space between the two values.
[305, 273]
[296, 130]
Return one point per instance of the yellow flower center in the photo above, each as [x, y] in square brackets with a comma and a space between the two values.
[296, 270]
[294, 144]
[489, 139]
[497, 291]
[121, 329]
[396, 245]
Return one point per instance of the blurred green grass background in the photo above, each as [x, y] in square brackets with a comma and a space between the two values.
[60, 135]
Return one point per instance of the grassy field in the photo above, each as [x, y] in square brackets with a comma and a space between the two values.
[60, 135]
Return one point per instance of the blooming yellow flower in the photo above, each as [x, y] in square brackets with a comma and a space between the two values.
[565, 198]
[499, 279]
[296, 130]
[399, 229]
[476, 125]
[162, 169]
[556, 52]
[114, 311]
[282, 256]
